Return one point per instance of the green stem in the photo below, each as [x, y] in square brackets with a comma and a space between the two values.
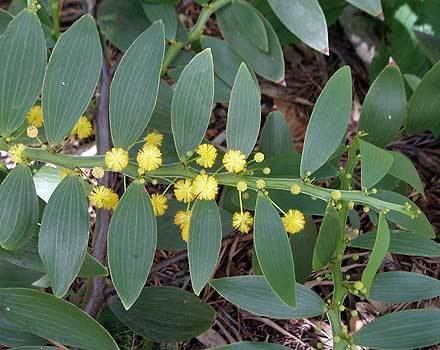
[178, 170]
[194, 34]
[340, 341]
[55, 8]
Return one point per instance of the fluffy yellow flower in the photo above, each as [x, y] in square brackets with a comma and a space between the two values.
[17, 153]
[160, 204]
[35, 116]
[242, 186]
[116, 159]
[295, 189]
[259, 157]
[205, 187]
[154, 138]
[103, 197]
[83, 128]
[293, 221]
[234, 161]
[32, 131]
[98, 172]
[182, 219]
[149, 157]
[66, 172]
[242, 221]
[184, 191]
[336, 195]
[207, 154]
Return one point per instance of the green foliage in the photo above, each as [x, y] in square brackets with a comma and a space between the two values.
[18, 209]
[192, 103]
[63, 322]
[134, 88]
[64, 234]
[166, 314]
[132, 240]
[23, 56]
[161, 95]
[73, 70]
[273, 251]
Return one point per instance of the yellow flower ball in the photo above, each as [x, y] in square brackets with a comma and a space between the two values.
[184, 191]
[17, 153]
[116, 159]
[336, 195]
[293, 221]
[261, 184]
[242, 221]
[205, 187]
[83, 128]
[149, 157]
[234, 161]
[259, 157]
[160, 204]
[154, 138]
[295, 189]
[103, 197]
[208, 154]
[35, 116]
[98, 172]
[32, 131]
[242, 186]
[182, 219]
[66, 172]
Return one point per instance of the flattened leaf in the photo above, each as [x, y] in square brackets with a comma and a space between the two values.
[244, 114]
[328, 123]
[384, 108]
[122, 22]
[305, 19]
[64, 234]
[192, 103]
[204, 243]
[132, 240]
[275, 137]
[372, 7]
[23, 57]
[375, 163]
[403, 169]
[273, 251]
[18, 208]
[401, 242]
[424, 104]
[28, 258]
[403, 287]
[410, 329]
[253, 294]
[12, 335]
[329, 234]
[71, 77]
[166, 13]
[377, 254]
[51, 318]
[5, 18]
[166, 314]
[250, 24]
[135, 86]
[270, 64]
[419, 224]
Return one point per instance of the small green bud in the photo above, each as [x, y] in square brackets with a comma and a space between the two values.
[358, 285]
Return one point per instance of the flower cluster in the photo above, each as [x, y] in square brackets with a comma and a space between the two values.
[83, 128]
[182, 219]
[17, 153]
[160, 204]
[116, 159]
[293, 221]
[103, 197]
[35, 116]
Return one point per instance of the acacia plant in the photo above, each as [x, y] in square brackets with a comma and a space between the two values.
[179, 191]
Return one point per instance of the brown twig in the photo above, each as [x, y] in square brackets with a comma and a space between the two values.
[96, 296]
